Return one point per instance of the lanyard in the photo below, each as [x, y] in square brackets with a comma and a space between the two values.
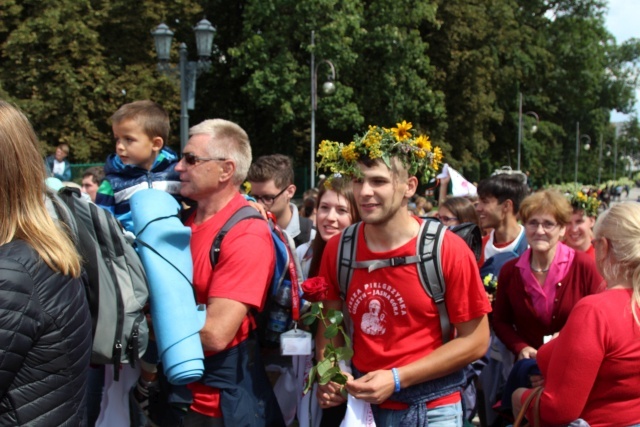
[293, 275]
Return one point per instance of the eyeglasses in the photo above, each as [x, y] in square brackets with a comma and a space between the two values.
[192, 159]
[445, 219]
[268, 200]
[546, 225]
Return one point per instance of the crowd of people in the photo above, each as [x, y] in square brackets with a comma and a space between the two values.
[550, 307]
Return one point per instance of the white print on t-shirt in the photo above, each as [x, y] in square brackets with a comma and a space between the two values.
[373, 322]
[376, 301]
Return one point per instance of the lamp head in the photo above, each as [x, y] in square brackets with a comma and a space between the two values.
[162, 37]
[328, 87]
[204, 38]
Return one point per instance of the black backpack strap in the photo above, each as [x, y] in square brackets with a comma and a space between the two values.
[429, 245]
[347, 256]
[245, 212]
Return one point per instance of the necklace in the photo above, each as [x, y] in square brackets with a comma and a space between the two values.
[539, 270]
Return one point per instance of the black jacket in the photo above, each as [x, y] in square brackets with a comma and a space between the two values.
[45, 341]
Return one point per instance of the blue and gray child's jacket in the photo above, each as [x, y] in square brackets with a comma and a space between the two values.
[122, 181]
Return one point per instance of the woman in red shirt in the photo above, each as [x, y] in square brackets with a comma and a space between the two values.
[537, 291]
[591, 369]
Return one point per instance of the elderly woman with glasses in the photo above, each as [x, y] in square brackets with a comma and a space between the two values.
[537, 291]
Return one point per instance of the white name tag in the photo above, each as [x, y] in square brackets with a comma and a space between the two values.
[295, 343]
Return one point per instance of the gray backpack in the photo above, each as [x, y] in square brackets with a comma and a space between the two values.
[117, 287]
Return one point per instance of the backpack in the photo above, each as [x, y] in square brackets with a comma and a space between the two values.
[427, 259]
[491, 268]
[306, 225]
[276, 317]
[117, 287]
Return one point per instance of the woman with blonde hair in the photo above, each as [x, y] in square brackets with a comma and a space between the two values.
[45, 326]
[591, 368]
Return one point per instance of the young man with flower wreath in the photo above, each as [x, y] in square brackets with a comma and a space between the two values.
[401, 365]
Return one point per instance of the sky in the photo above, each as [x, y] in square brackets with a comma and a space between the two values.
[622, 22]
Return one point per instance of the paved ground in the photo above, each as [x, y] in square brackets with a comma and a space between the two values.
[634, 195]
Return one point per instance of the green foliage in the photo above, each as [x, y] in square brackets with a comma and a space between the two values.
[453, 68]
[328, 368]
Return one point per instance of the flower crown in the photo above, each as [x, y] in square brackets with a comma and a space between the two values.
[413, 150]
[581, 201]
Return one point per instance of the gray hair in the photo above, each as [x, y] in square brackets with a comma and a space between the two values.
[231, 142]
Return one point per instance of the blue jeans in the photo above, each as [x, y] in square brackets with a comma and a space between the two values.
[442, 416]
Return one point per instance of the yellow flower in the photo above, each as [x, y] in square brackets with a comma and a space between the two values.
[423, 142]
[421, 153]
[375, 152]
[329, 150]
[349, 152]
[402, 131]
[437, 158]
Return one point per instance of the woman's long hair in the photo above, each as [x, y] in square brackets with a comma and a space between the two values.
[22, 195]
[462, 208]
[343, 188]
[620, 225]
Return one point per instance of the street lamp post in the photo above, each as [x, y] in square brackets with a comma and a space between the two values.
[533, 129]
[600, 157]
[615, 158]
[328, 88]
[189, 70]
[586, 147]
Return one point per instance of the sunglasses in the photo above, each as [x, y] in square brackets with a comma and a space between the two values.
[192, 159]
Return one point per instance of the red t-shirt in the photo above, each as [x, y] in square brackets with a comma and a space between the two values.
[395, 321]
[592, 370]
[239, 275]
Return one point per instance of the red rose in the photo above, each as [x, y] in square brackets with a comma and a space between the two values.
[315, 289]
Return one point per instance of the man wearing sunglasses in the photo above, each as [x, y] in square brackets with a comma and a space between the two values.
[234, 389]
[271, 179]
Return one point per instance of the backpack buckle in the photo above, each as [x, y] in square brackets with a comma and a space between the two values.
[397, 261]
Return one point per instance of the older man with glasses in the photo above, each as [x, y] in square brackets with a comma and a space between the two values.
[234, 389]
[271, 179]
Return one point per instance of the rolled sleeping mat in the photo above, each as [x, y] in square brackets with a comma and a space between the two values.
[163, 245]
